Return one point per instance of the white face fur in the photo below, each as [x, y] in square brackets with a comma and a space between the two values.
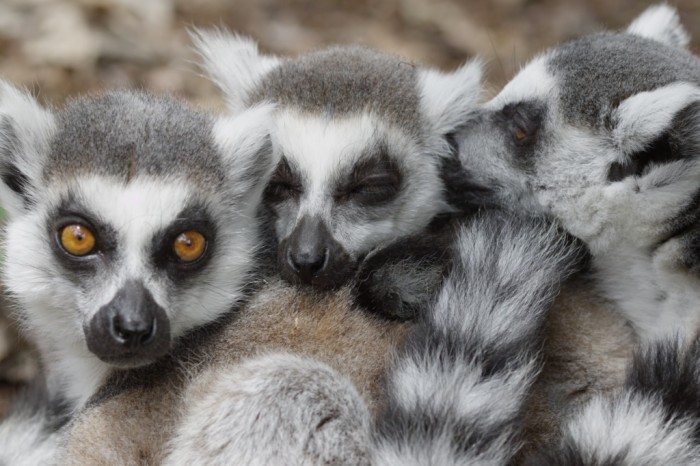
[604, 135]
[165, 253]
[353, 178]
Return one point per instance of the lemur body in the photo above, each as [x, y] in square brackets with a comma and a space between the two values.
[116, 205]
[603, 134]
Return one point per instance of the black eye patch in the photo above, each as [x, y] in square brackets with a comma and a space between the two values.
[522, 121]
[71, 212]
[375, 179]
[284, 184]
[194, 218]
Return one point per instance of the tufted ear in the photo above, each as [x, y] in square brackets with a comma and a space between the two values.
[244, 142]
[656, 127]
[233, 62]
[661, 23]
[26, 129]
[448, 98]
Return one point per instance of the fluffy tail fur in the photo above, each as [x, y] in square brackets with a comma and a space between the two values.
[458, 388]
[30, 433]
[654, 419]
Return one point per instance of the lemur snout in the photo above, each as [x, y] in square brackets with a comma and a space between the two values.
[131, 330]
[310, 256]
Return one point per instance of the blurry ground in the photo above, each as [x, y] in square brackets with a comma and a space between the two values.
[58, 48]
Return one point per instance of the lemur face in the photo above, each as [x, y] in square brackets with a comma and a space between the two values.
[131, 218]
[342, 187]
[602, 133]
[361, 137]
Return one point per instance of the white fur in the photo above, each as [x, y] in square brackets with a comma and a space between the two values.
[54, 310]
[532, 82]
[272, 409]
[632, 430]
[448, 98]
[642, 117]
[661, 23]
[23, 442]
[33, 126]
[499, 289]
[233, 63]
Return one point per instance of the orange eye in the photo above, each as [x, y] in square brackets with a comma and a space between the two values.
[520, 134]
[77, 239]
[190, 245]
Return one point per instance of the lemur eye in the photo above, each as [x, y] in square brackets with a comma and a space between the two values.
[284, 184]
[279, 191]
[190, 245]
[519, 134]
[77, 239]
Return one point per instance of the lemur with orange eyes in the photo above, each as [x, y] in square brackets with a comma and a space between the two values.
[131, 220]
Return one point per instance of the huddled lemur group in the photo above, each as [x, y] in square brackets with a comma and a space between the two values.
[360, 263]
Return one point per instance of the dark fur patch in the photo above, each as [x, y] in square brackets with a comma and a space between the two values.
[379, 276]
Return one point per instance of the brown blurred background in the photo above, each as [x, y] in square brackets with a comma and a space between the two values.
[58, 48]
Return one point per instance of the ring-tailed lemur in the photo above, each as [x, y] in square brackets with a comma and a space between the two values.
[603, 134]
[131, 220]
[362, 137]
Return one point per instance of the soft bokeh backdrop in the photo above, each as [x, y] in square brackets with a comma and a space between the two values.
[58, 48]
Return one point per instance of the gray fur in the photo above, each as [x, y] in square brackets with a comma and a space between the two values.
[126, 134]
[273, 409]
[598, 72]
[346, 80]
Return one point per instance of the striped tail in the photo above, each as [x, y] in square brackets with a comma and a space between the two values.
[458, 388]
[653, 420]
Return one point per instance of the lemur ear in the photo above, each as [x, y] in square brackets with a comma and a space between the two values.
[661, 23]
[246, 148]
[26, 129]
[233, 62]
[448, 98]
[655, 128]
[645, 116]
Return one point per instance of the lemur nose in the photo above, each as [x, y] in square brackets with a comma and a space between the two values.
[133, 332]
[308, 263]
[311, 256]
